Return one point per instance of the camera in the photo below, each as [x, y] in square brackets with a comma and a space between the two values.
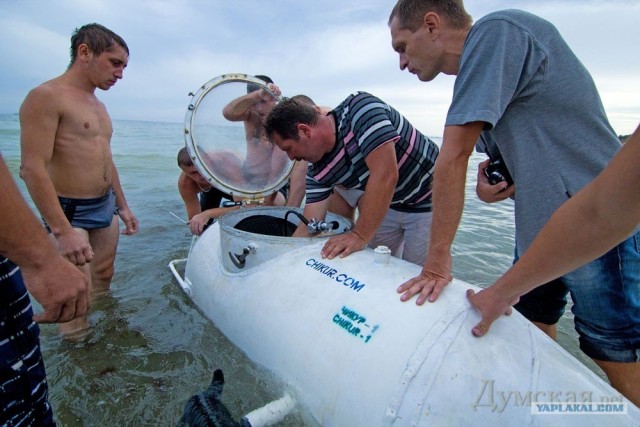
[497, 172]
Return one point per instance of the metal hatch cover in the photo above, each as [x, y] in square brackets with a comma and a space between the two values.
[224, 137]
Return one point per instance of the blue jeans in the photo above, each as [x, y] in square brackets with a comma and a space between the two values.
[606, 303]
[23, 383]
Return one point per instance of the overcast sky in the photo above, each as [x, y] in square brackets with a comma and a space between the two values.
[325, 49]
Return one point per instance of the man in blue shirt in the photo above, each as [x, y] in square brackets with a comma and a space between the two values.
[522, 89]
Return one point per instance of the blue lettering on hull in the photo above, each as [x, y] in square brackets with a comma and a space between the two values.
[354, 324]
[341, 278]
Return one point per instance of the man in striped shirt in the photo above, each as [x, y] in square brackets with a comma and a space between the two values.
[366, 145]
[53, 281]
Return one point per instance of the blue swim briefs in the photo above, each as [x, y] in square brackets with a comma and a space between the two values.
[90, 213]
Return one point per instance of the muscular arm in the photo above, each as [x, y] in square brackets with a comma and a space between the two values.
[189, 193]
[448, 202]
[129, 219]
[198, 223]
[197, 219]
[373, 205]
[596, 219]
[22, 237]
[240, 108]
[38, 127]
[297, 185]
[54, 282]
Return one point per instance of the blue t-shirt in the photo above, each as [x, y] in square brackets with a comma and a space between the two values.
[541, 109]
[364, 123]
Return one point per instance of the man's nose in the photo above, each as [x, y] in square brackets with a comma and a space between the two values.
[403, 63]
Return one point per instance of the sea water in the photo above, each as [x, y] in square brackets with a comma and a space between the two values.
[150, 348]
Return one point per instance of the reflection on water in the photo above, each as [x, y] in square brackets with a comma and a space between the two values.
[147, 353]
[150, 348]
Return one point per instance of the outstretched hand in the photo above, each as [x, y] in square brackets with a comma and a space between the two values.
[198, 223]
[491, 306]
[343, 245]
[429, 284]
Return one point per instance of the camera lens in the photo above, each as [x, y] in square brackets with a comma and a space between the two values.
[496, 172]
[495, 177]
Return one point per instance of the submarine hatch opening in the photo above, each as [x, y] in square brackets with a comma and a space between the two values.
[266, 225]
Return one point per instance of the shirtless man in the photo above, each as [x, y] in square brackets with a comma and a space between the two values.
[66, 158]
[201, 199]
[262, 159]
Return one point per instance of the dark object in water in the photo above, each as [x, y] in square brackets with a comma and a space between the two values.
[206, 410]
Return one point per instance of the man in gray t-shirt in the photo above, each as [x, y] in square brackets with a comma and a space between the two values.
[521, 90]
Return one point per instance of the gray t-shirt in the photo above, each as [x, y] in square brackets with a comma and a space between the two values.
[541, 109]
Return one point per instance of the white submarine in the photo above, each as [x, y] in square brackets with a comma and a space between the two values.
[335, 331]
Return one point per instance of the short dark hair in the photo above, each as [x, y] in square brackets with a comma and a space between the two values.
[97, 37]
[184, 159]
[252, 87]
[284, 118]
[411, 12]
[304, 99]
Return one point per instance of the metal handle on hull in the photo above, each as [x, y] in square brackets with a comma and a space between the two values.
[239, 259]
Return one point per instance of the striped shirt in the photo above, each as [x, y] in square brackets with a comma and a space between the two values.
[23, 382]
[364, 123]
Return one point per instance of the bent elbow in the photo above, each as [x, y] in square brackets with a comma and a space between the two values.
[392, 177]
[28, 173]
[25, 172]
[229, 113]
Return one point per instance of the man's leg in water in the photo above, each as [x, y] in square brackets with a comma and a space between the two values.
[104, 242]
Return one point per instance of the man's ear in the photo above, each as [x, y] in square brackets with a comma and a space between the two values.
[431, 22]
[83, 52]
[304, 129]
